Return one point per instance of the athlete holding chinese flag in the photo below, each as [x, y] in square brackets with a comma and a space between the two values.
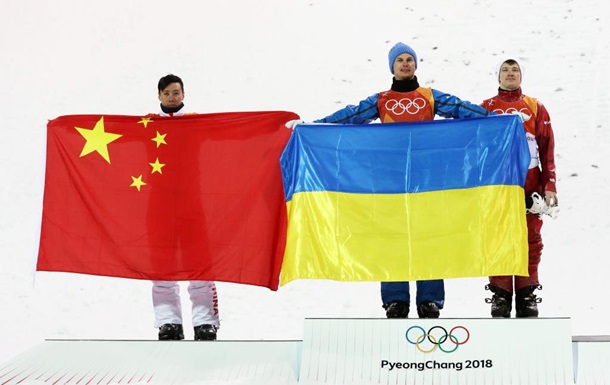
[166, 294]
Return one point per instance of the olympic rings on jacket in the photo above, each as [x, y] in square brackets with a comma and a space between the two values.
[511, 110]
[437, 342]
[407, 105]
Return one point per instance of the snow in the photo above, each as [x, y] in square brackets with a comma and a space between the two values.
[311, 57]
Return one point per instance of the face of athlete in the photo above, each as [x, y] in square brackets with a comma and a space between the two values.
[172, 95]
[510, 76]
[404, 67]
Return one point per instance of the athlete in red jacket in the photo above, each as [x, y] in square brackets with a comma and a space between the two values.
[539, 185]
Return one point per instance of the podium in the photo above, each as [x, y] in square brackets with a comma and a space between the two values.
[437, 351]
[335, 351]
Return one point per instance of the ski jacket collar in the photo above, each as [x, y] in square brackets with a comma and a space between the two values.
[405, 85]
[510, 96]
[170, 111]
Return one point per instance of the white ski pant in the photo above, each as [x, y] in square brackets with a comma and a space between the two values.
[168, 308]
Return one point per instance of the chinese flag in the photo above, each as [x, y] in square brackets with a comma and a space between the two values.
[195, 197]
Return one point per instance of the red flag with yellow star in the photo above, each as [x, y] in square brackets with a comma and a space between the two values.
[195, 197]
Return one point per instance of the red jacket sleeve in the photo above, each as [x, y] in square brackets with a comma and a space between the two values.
[546, 148]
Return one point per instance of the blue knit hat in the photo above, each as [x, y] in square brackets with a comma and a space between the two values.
[397, 50]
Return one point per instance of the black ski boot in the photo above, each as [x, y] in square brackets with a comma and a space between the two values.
[169, 332]
[428, 309]
[396, 309]
[501, 302]
[205, 332]
[526, 302]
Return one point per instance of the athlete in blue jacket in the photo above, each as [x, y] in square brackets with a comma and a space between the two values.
[406, 101]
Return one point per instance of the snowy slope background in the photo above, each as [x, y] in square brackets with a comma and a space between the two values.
[311, 57]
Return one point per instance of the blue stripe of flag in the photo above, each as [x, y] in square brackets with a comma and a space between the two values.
[406, 157]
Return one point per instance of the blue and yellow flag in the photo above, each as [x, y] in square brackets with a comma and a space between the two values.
[406, 201]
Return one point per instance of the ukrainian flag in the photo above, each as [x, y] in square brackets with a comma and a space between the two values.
[406, 201]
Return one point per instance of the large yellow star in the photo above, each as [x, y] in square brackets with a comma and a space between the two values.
[97, 139]
[145, 121]
[160, 139]
[137, 182]
[157, 166]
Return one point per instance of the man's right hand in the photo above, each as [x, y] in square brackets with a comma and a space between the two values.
[523, 116]
[293, 123]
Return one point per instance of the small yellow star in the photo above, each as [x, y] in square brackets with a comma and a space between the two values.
[156, 167]
[145, 121]
[97, 139]
[137, 182]
[160, 139]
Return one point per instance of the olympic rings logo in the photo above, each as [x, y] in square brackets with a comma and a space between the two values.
[407, 105]
[511, 110]
[438, 338]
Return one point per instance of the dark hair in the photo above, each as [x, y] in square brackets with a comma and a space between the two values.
[169, 79]
[511, 62]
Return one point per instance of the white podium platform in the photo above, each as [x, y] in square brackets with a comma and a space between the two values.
[155, 362]
[335, 351]
[591, 359]
[437, 351]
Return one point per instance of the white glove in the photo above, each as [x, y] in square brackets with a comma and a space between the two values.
[523, 116]
[552, 211]
[293, 123]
